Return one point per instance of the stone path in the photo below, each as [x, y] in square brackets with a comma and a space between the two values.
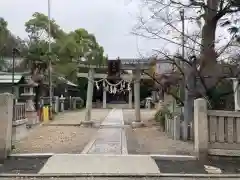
[110, 138]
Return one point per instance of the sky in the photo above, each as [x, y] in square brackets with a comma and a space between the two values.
[111, 21]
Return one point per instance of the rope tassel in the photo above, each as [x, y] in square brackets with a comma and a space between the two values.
[97, 86]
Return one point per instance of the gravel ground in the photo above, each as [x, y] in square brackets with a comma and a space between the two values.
[75, 117]
[60, 139]
[151, 139]
[55, 139]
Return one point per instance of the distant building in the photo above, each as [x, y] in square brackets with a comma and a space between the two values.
[163, 67]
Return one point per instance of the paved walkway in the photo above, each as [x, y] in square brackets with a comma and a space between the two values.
[111, 138]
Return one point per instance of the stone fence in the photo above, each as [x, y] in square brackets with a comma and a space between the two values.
[215, 132]
[19, 111]
[6, 111]
[19, 129]
[61, 104]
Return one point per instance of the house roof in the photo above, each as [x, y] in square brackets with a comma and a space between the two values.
[7, 77]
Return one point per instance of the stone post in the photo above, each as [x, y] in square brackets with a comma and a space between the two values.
[70, 103]
[200, 128]
[6, 110]
[74, 101]
[104, 95]
[61, 99]
[137, 79]
[87, 120]
[236, 94]
[130, 99]
[56, 104]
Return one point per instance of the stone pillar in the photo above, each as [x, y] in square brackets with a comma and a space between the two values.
[200, 128]
[70, 103]
[137, 79]
[104, 95]
[130, 99]
[236, 94]
[61, 99]
[87, 120]
[6, 110]
[56, 104]
[74, 101]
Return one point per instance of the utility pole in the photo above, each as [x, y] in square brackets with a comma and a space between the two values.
[50, 60]
[188, 87]
[184, 83]
[181, 63]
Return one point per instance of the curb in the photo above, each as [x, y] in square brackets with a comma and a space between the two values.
[154, 156]
[173, 157]
[125, 175]
[61, 124]
[31, 155]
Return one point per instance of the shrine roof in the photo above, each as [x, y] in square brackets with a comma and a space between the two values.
[67, 81]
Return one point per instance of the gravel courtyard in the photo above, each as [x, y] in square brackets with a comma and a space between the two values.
[60, 138]
[150, 139]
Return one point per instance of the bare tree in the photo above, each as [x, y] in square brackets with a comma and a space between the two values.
[160, 19]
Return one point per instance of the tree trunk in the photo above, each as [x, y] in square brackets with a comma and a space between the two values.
[208, 57]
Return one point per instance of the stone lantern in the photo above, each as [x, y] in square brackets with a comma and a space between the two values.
[29, 95]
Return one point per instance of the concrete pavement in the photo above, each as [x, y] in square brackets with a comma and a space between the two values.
[104, 154]
[99, 164]
[110, 138]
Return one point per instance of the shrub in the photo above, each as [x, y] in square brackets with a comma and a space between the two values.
[161, 115]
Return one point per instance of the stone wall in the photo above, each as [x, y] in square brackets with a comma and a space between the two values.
[6, 111]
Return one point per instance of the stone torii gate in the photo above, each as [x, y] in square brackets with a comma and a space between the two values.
[136, 65]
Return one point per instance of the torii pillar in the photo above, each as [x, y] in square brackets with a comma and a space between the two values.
[137, 79]
[88, 121]
[130, 99]
[104, 95]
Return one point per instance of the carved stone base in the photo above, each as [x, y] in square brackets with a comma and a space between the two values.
[19, 129]
[137, 124]
[87, 123]
[32, 117]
